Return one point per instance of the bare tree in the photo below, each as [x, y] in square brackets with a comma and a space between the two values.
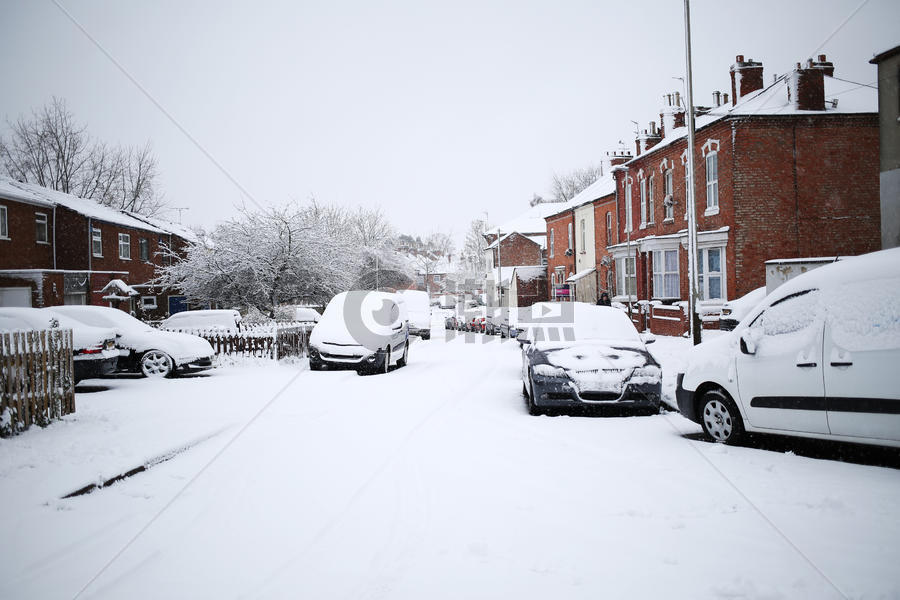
[52, 150]
[567, 186]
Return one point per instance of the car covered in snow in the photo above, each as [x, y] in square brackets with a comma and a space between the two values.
[734, 310]
[419, 311]
[817, 358]
[586, 356]
[306, 315]
[362, 330]
[143, 349]
[94, 348]
[217, 321]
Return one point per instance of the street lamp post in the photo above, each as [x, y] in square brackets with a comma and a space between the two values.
[691, 202]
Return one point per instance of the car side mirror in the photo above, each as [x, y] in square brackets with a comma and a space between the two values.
[748, 346]
[522, 339]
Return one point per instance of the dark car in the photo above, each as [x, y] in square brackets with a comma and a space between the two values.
[735, 310]
[94, 348]
[598, 359]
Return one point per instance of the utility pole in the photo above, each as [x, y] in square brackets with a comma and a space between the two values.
[180, 209]
[691, 202]
[499, 272]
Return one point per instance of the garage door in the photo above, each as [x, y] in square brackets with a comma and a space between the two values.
[15, 296]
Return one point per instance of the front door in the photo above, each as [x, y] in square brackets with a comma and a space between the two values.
[781, 383]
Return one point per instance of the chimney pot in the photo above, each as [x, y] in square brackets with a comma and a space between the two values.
[746, 77]
[821, 58]
[739, 58]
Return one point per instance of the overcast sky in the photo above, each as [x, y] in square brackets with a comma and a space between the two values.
[434, 112]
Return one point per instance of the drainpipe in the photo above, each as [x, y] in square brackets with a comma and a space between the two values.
[54, 238]
[90, 245]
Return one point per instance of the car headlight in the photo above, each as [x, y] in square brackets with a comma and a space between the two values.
[549, 372]
[646, 374]
[726, 312]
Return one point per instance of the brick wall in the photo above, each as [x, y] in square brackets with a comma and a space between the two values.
[559, 226]
[518, 250]
[21, 250]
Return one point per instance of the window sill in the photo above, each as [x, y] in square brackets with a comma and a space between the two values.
[711, 211]
[3, 238]
[42, 243]
[97, 255]
[124, 258]
[669, 220]
[642, 226]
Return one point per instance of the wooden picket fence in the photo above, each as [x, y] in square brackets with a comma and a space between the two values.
[37, 378]
[286, 341]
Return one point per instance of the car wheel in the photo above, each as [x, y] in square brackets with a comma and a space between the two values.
[403, 359]
[533, 409]
[387, 361]
[315, 365]
[720, 417]
[155, 363]
[426, 336]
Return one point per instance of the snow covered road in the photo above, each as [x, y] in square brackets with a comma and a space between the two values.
[428, 482]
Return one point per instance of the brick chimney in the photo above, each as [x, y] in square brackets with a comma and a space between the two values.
[746, 77]
[671, 115]
[806, 87]
[822, 63]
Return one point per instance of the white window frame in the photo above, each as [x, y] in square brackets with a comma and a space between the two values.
[436, 277]
[144, 243]
[643, 203]
[571, 236]
[40, 219]
[125, 244]
[148, 302]
[670, 196]
[552, 241]
[712, 183]
[628, 182]
[609, 228]
[624, 278]
[4, 223]
[704, 274]
[663, 277]
[583, 242]
[96, 242]
[650, 200]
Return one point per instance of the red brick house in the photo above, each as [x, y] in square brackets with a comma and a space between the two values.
[56, 249]
[786, 170]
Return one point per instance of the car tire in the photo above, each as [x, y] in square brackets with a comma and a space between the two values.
[426, 336]
[720, 418]
[403, 359]
[156, 363]
[533, 409]
[315, 365]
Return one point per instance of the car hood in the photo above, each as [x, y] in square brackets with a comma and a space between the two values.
[717, 355]
[177, 345]
[599, 365]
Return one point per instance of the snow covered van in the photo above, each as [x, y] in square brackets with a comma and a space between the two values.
[418, 309]
[817, 358]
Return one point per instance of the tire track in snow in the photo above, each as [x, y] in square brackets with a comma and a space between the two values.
[452, 396]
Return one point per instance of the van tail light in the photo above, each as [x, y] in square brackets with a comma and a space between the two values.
[88, 351]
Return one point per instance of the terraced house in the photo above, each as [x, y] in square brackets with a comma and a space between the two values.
[57, 249]
[783, 170]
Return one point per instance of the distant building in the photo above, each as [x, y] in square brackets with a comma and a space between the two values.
[889, 135]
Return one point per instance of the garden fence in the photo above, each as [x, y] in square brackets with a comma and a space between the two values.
[37, 378]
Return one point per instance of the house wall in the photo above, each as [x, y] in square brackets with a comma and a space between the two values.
[559, 225]
[20, 250]
[585, 253]
[605, 272]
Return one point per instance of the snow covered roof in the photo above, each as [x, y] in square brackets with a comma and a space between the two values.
[540, 240]
[117, 286]
[604, 186]
[41, 196]
[580, 275]
[530, 222]
[852, 98]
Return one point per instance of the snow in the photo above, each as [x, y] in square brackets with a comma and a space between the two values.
[29, 192]
[330, 485]
[530, 222]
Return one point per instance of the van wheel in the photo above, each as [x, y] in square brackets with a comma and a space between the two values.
[720, 417]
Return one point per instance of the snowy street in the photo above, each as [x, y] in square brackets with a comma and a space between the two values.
[428, 482]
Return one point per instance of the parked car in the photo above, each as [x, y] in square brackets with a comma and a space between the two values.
[306, 315]
[143, 349]
[362, 330]
[735, 310]
[93, 348]
[597, 359]
[817, 358]
[190, 321]
[450, 322]
[419, 311]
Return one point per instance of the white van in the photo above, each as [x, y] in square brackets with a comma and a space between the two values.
[818, 358]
